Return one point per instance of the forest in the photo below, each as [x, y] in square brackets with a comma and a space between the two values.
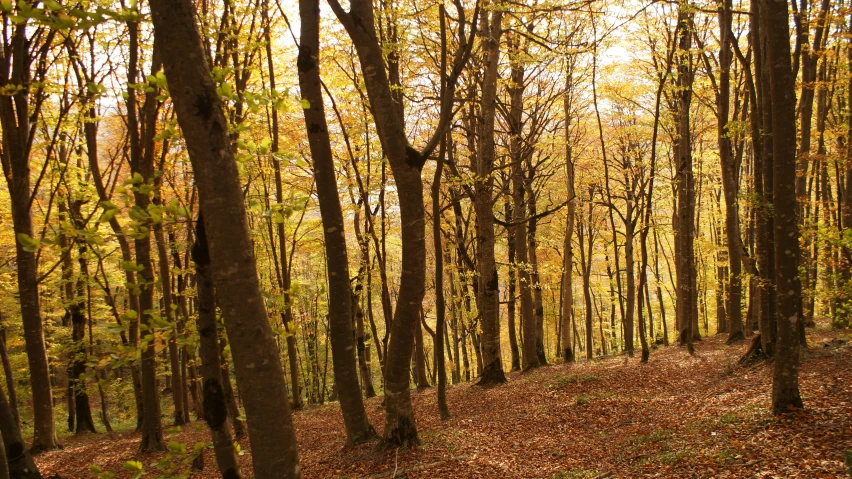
[403, 238]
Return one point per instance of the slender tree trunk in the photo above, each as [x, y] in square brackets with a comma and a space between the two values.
[17, 456]
[687, 294]
[178, 398]
[7, 371]
[15, 155]
[358, 428]
[255, 353]
[846, 216]
[215, 406]
[511, 303]
[566, 339]
[730, 182]
[440, 306]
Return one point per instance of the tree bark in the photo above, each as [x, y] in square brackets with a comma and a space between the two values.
[686, 277]
[255, 353]
[15, 121]
[487, 281]
[19, 459]
[358, 428]
[785, 383]
[730, 181]
[215, 406]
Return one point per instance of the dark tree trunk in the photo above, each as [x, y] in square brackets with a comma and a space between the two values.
[764, 185]
[142, 166]
[730, 182]
[215, 405]
[15, 117]
[511, 303]
[358, 428]
[519, 210]
[234, 268]
[785, 384]
[19, 459]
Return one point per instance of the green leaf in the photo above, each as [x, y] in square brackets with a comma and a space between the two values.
[306, 105]
[28, 243]
[133, 466]
[107, 216]
[177, 447]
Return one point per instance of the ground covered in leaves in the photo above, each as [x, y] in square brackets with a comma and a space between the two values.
[678, 416]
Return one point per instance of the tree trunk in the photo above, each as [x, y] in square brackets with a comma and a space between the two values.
[785, 384]
[15, 155]
[566, 339]
[730, 181]
[440, 306]
[511, 302]
[487, 282]
[215, 406]
[764, 185]
[255, 353]
[178, 398]
[519, 209]
[19, 459]
[686, 292]
[7, 371]
[358, 428]
[406, 162]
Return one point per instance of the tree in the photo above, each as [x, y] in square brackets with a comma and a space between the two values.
[785, 382]
[487, 280]
[27, 47]
[199, 112]
[358, 428]
[406, 162]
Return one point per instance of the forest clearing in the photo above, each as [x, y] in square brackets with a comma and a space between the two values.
[678, 416]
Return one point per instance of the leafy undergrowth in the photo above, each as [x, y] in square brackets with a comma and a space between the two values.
[678, 416]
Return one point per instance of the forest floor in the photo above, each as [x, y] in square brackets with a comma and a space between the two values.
[678, 416]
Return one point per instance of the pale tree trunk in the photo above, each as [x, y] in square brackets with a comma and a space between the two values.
[253, 347]
[785, 383]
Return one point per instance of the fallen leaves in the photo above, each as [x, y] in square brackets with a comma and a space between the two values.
[678, 416]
